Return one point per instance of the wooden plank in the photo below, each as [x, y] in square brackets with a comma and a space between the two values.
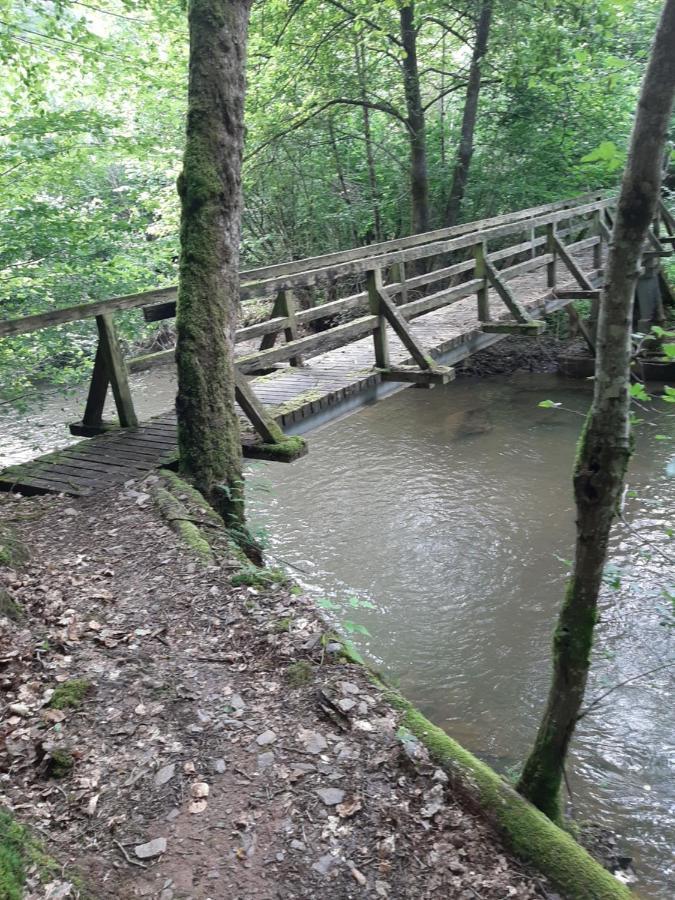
[38, 321]
[116, 370]
[438, 375]
[310, 345]
[531, 328]
[380, 340]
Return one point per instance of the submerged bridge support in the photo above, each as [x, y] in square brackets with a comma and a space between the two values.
[474, 284]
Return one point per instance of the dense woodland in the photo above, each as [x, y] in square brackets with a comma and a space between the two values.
[363, 122]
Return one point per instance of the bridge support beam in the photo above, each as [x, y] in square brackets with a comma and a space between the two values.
[109, 370]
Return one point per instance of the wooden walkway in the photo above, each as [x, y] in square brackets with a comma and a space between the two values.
[300, 399]
[399, 312]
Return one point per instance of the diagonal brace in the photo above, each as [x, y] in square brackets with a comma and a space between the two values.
[578, 274]
[402, 329]
[518, 311]
[264, 424]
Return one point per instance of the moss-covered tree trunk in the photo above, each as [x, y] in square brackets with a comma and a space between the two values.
[208, 296]
[469, 116]
[604, 447]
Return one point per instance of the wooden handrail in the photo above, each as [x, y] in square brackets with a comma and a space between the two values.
[332, 267]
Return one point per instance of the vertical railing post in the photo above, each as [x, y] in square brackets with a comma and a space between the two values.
[284, 307]
[597, 249]
[398, 276]
[551, 249]
[374, 286]
[480, 271]
[533, 238]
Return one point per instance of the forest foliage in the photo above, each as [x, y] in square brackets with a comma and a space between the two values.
[93, 102]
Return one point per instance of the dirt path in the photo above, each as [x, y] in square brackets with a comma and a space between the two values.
[218, 724]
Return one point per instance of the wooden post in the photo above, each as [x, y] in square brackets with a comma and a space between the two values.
[113, 359]
[597, 249]
[284, 307]
[480, 271]
[533, 237]
[551, 248]
[398, 275]
[374, 287]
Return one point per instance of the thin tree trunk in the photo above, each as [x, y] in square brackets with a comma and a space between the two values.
[469, 116]
[604, 448]
[210, 194]
[344, 190]
[360, 55]
[419, 178]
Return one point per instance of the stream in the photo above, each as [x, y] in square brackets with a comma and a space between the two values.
[436, 527]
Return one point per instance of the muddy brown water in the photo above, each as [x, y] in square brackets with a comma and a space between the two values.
[441, 521]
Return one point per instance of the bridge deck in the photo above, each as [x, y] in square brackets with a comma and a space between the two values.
[328, 386]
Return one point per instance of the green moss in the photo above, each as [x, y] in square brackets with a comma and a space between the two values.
[527, 831]
[60, 763]
[13, 552]
[308, 396]
[20, 851]
[286, 449]
[182, 489]
[283, 626]
[70, 694]
[13, 841]
[300, 673]
[250, 576]
[179, 519]
[9, 607]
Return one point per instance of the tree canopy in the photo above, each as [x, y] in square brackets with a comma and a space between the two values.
[94, 99]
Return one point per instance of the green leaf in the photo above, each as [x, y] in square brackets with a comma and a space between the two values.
[638, 392]
[325, 603]
[548, 404]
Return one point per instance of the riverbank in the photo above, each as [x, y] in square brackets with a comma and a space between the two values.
[171, 731]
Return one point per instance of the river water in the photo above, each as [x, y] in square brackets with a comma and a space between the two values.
[441, 522]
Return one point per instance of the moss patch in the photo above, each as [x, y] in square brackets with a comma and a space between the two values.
[9, 607]
[250, 576]
[20, 852]
[300, 673]
[13, 552]
[179, 520]
[285, 450]
[59, 764]
[528, 832]
[70, 694]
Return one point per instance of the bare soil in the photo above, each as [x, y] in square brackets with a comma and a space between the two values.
[221, 724]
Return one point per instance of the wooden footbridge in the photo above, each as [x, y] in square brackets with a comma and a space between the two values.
[391, 314]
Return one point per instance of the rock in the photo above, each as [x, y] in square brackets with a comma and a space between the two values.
[165, 774]
[313, 741]
[348, 687]
[152, 849]
[434, 801]
[217, 766]
[236, 702]
[324, 864]
[265, 760]
[297, 845]
[331, 796]
[266, 738]
[346, 704]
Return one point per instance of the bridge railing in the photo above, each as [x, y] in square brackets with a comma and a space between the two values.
[384, 284]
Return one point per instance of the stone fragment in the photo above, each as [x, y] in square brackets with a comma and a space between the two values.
[165, 774]
[265, 760]
[266, 738]
[152, 849]
[331, 796]
[313, 741]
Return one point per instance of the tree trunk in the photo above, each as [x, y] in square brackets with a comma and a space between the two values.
[344, 189]
[360, 57]
[419, 178]
[210, 193]
[604, 448]
[469, 116]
